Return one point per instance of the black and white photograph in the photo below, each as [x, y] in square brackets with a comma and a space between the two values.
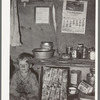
[52, 50]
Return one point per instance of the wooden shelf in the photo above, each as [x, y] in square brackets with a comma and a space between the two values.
[81, 96]
[86, 97]
[64, 62]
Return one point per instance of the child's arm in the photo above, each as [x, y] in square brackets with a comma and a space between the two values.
[13, 85]
[35, 86]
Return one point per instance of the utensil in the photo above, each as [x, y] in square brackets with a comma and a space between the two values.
[41, 53]
[47, 45]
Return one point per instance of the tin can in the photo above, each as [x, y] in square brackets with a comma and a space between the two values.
[75, 77]
[84, 87]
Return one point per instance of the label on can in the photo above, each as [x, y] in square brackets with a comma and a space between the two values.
[74, 78]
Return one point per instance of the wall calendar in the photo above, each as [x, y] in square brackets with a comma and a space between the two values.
[74, 16]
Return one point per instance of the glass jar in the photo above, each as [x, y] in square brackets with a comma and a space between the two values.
[91, 53]
[69, 50]
[91, 78]
[80, 50]
[85, 53]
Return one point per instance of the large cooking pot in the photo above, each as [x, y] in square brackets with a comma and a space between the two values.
[41, 53]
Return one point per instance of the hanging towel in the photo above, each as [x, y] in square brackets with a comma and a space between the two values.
[55, 27]
[54, 17]
[14, 25]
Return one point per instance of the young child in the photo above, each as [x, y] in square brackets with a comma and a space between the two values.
[24, 85]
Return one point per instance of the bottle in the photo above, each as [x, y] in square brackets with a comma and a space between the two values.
[92, 54]
[91, 78]
[85, 53]
[69, 51]
[74, 54]
[80, 50]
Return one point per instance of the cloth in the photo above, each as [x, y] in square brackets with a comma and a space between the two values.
[24, 87]
[54, 17]
[14, 25]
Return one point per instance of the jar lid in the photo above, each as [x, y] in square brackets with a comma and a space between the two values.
[80, 45]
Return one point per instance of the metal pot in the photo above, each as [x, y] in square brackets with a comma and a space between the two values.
[47, 45]
[41, 53]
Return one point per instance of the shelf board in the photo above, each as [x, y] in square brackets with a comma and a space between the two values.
[63, 62]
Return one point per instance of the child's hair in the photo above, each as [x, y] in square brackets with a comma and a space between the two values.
[25, 56]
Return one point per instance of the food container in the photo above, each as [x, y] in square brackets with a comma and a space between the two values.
[75, 77]
[80, 50]
[91, 77]
[84, 87]
[72, 90]
[65, 56]
[41, 53]
[74, 54]
[47, 45]
[85, 53]
[92, 55]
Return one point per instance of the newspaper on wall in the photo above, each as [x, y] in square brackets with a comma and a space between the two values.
[74, 16]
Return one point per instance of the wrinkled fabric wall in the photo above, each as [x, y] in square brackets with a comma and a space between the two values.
[32, 34]
[15, 39]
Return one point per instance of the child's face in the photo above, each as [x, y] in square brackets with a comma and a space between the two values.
[23, 66]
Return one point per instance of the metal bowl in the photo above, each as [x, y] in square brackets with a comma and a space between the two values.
[41, 53]
[47, 45]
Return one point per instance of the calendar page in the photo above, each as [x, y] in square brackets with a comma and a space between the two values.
[74, 17]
